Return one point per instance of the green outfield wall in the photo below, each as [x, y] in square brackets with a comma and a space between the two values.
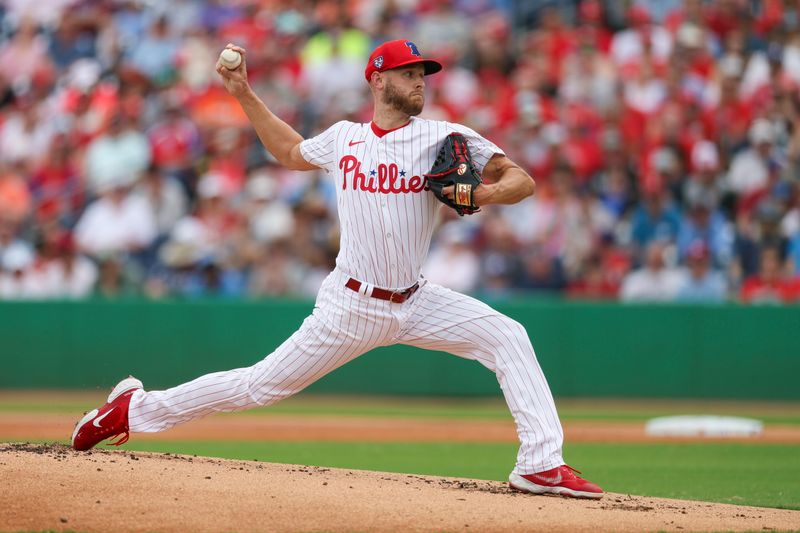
[586, 349]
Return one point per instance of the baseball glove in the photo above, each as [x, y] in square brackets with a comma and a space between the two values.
[453, 166]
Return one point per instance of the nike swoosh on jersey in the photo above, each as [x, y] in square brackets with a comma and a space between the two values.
[97, 420]
[353, 143]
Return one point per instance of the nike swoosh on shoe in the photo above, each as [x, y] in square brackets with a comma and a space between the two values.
[96, 421]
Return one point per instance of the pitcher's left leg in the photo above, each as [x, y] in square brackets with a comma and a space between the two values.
[441, 319]
[445, 320]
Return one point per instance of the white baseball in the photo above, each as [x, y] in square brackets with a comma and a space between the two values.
[230, 59]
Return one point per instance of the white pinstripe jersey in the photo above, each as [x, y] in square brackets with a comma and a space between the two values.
[386, 212]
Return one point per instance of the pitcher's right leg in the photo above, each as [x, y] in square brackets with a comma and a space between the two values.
[343, 326]
[312, 352]
[337, 332]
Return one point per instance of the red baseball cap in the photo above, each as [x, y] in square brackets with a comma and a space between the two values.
[399, 53]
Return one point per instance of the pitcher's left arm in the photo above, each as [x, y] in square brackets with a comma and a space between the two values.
[504, 182]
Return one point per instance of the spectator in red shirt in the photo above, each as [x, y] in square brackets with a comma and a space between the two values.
[174, 141]
[553, 39]
[726, 16]
[728, 119]
[57, 186]
[772, 284]
[594, 284]
[591, 29]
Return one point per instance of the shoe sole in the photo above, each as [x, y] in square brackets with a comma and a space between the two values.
[127, 384]
[124, 386]
[521, 484]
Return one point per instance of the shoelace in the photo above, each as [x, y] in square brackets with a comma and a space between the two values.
[572, 471]
[123, 438]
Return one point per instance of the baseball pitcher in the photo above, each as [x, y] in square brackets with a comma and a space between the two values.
[392, 176]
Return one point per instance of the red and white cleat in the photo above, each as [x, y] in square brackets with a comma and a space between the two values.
[111, 420]
[562, 480]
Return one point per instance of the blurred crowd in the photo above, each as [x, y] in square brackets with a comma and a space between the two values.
[664, 137]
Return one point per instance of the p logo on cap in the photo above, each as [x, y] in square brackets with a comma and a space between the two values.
[413, 48]
[398, 53]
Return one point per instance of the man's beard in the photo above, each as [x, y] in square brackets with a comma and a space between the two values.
[393, 98]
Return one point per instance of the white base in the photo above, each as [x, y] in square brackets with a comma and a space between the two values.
[703, 426]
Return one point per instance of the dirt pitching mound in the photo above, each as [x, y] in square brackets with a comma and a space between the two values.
[51, 487]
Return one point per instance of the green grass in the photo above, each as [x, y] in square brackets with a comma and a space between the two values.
[744, 474]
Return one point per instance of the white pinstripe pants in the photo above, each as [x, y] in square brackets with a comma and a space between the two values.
[344, 325]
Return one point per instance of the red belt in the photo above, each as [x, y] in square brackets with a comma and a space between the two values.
[397, 297]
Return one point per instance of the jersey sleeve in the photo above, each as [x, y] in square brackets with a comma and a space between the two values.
[321, 150]
[481, 149]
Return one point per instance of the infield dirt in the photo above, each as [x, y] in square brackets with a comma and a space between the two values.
[51, 487]
[49, 426]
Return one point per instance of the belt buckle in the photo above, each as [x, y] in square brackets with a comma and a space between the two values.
[391, 297]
